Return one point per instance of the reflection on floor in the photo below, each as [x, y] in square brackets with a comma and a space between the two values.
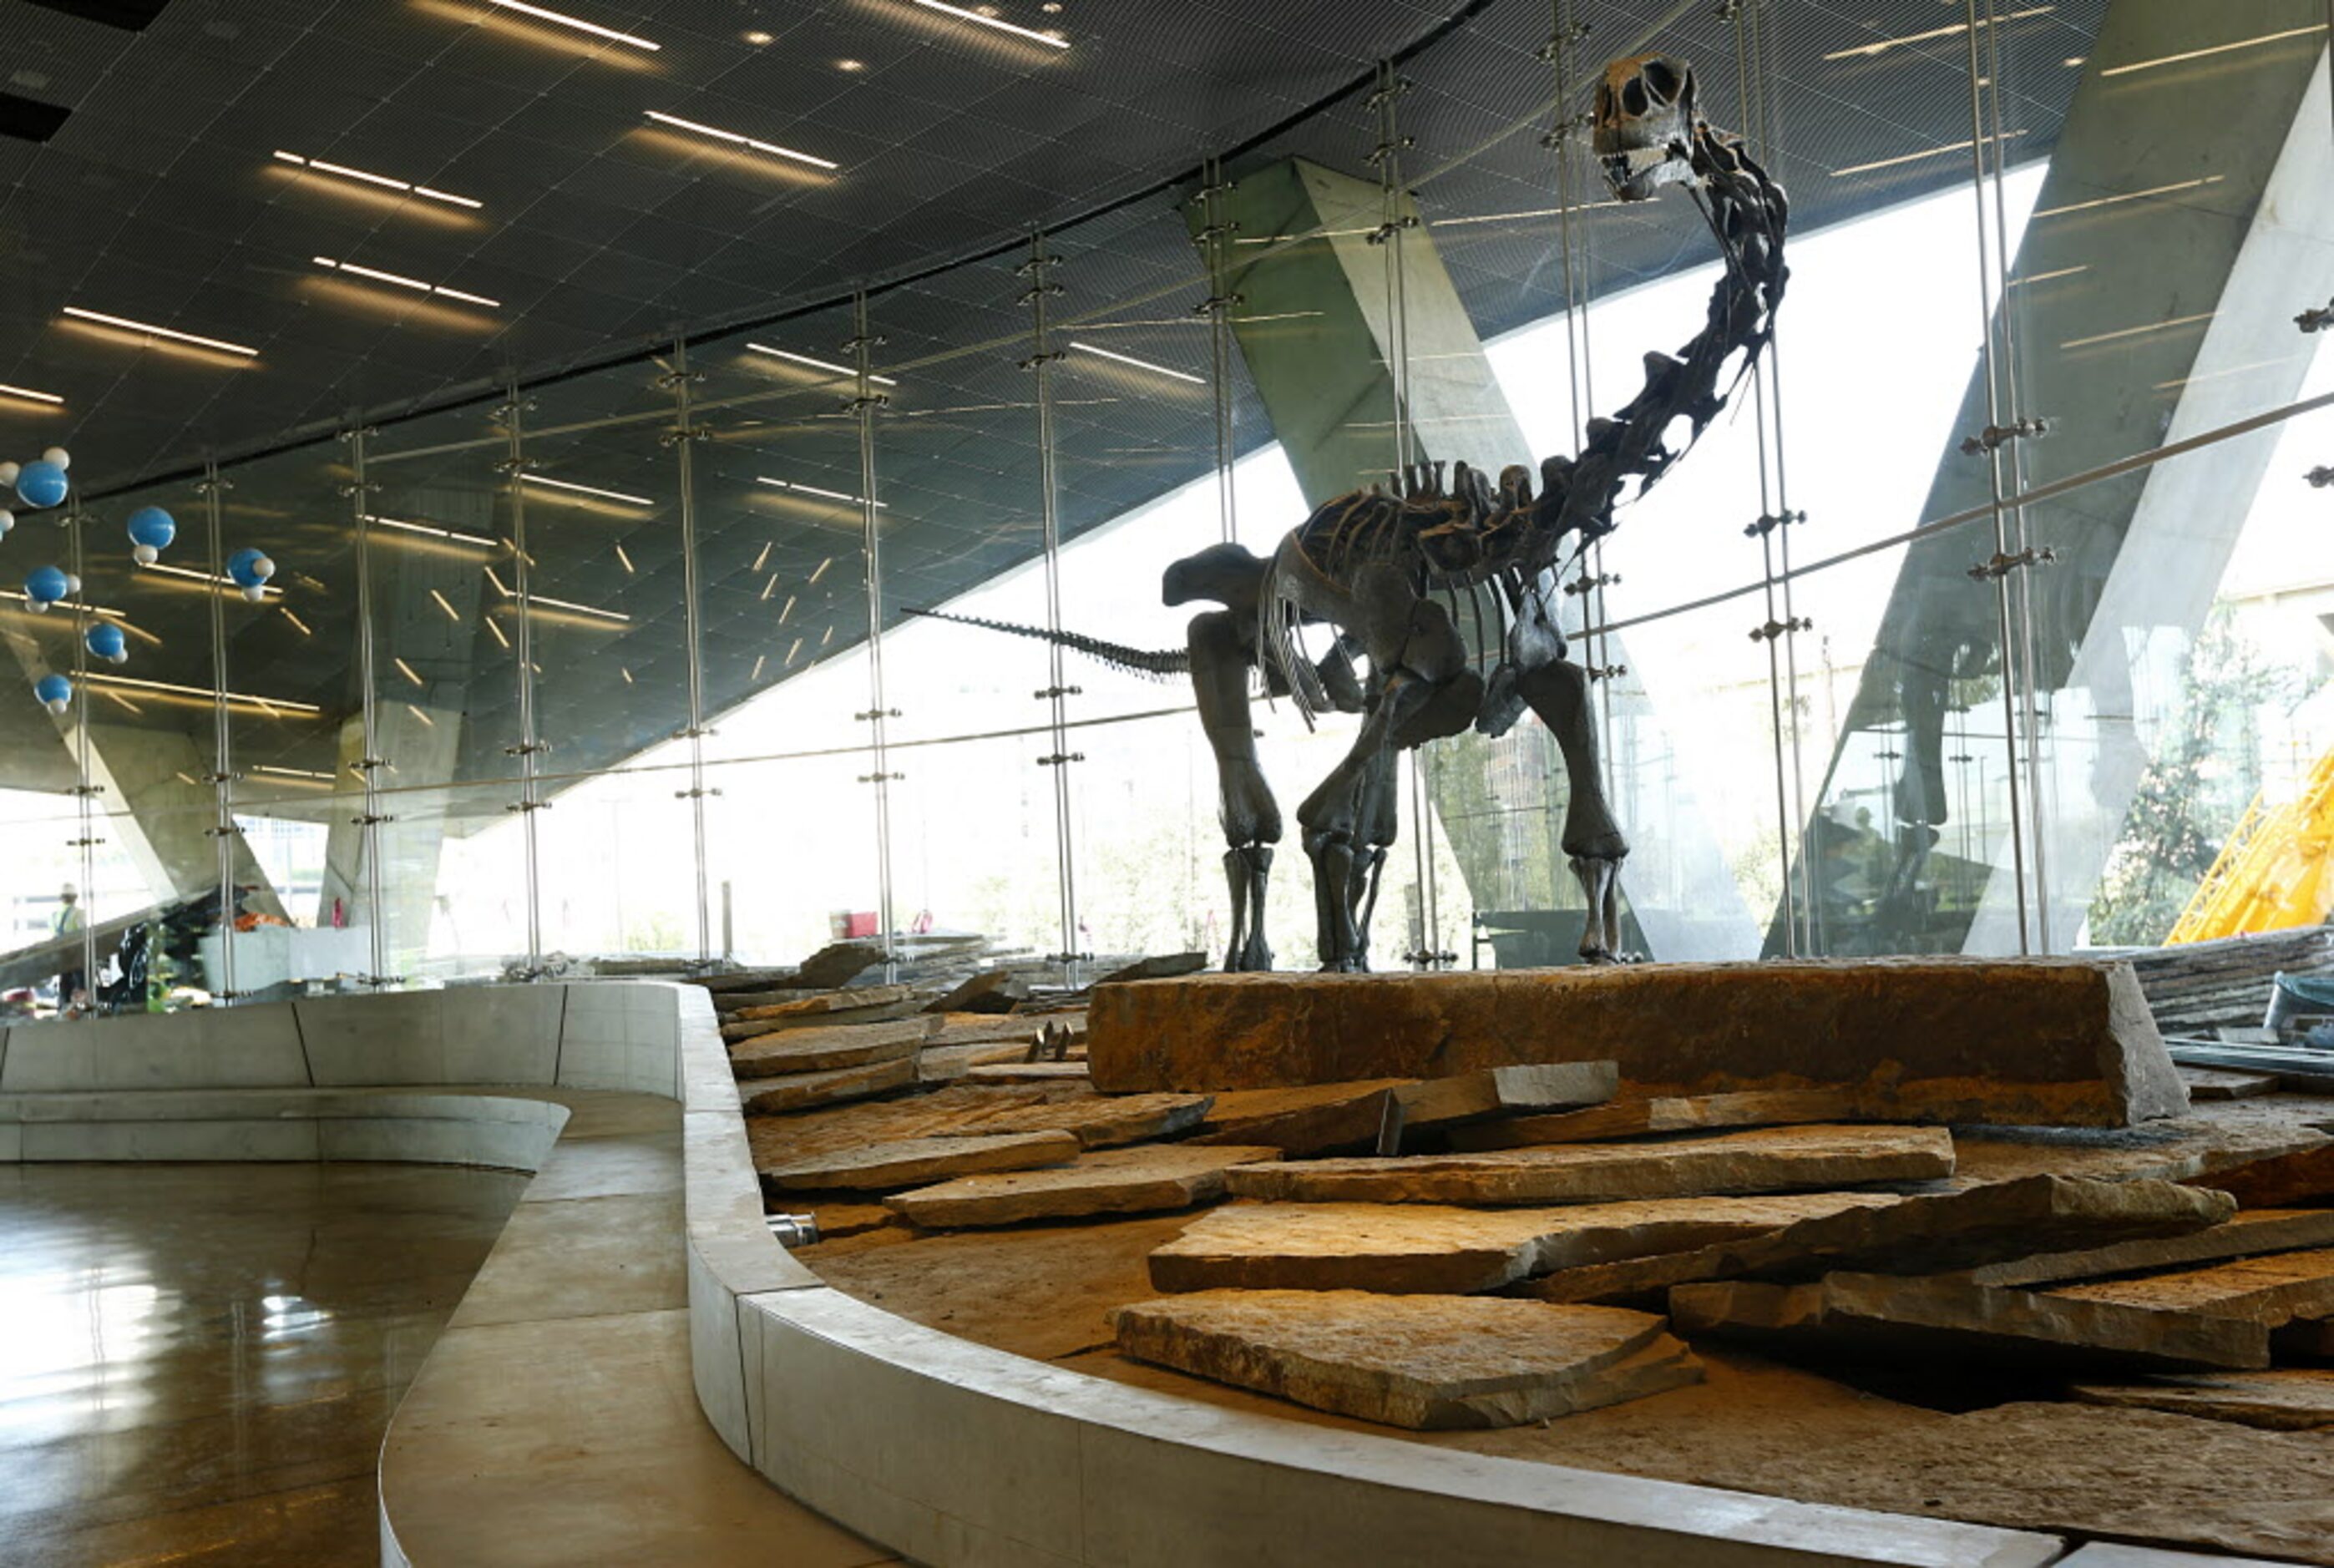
[197, 1362]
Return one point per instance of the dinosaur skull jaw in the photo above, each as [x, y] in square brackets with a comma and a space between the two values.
[1644, 121]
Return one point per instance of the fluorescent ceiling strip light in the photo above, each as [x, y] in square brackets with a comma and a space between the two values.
[498, 635]
[29, 395]
[452, 614]
[764, 556]
[577, 22]
[535, 599]
[585, 489]
[1865, 51]
[733, 138]
[2045, 277]
[767, 589]
[759, 660]
[305, 630]
[345, 172]
[1139, 364]
[2219, 375]
[822, 569]
[407, 670]
[814, 490]
[2136, 332]
[794, 650]
[1917, 156]
[1506, 216]
[433, 531]
[789, 608]
[2215, 49]
[424, 717]
[405, 283]
[1048, 39]
[627, 674]
[629, 567]
[2128, 196]
[203, 577]
[817, 364]
[298, 773]
[154, 331]
[21, 596]
[135, 684]
[497, 582]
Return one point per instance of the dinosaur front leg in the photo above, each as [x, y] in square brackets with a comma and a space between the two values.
[1558, 692]
[1380, 821]
[1249, 815]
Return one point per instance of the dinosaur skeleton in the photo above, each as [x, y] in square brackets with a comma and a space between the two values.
[1450, 592]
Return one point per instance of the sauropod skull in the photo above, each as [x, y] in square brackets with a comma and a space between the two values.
[1644, 121]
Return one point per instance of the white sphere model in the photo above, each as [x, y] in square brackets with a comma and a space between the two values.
[59, 455]
[7, 521]
[256, 592]
[145, 554]
[60, 706]
[73, 583]
[8, 472]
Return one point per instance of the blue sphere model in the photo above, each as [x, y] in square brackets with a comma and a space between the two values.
[151, 530]
[106, 641]
[250, 570]
[41, 485]
[54, 691]
[46, 585]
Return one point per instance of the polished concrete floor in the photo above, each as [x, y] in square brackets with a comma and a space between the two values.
[197, 1362]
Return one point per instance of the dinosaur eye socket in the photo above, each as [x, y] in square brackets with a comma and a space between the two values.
[1632, 96]
[1662, 79]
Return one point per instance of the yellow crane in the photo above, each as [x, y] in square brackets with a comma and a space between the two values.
[2275, 872]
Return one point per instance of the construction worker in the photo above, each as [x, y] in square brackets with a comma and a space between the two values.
[67, 922]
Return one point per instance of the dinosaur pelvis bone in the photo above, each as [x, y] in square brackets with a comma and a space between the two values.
[1645, 123]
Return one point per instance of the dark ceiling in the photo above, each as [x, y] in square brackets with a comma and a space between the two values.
[596, 234]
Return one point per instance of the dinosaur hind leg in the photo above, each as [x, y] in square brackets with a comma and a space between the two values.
[1558, 692]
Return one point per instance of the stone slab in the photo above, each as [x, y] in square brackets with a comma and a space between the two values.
[2270, 1289]
[2248, 1233]
[1672, 1113]
[1159, 967]
[2281, 1181]
[823, 1050]
[1433, 1249]
[2289, 1399]
[827, 1003]
[1319, 1119]
[1102, 1120]
[1142, 1181]
[2052, 1041]
[953, 1111]
[1027, 1072]
[1898, 1315]
[1423, 1362]
[719, 986]
[838, 963]
[977, 1029]
[1928, 1233]
[888, 1166]
[1535, 1086]
[1764, 1159]
[801, 1090]
[2221, 1084]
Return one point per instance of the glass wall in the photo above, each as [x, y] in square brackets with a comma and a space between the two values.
[1984, 609]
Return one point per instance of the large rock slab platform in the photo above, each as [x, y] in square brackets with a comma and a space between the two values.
[1139, 1181]
[2039, 1041]
[1425, 1362]
[2292, 1399]
[1420, 1249]
[916, 1161]
[1767, 1160]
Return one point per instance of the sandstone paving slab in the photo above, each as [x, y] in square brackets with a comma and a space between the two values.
[1139, 1180]
[731, 1002]
[1434, 1249]
[2050, 1041]
[1101, 1120]
[743, 980]
[2245, 1233]
[990, 991]
[1028, 1073]
[825, 1005]
[955, 1110]
[1490, 1091]
[2294, 1399]
[2281, 1180]
[954, 1064]
[838, 963]
[1428, 1362]
[888, 1166]
[2270, 1289]
[2224, 1084]
[1925, 1234]
[799, 1091]
[1764, 1159]
[988, 1029]
[1317, 1119]
[822, 1050]
[1930, 1315]
[1669, 1113]
[2215, 1136]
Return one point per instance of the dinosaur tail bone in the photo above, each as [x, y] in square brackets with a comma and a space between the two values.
[1157, 665]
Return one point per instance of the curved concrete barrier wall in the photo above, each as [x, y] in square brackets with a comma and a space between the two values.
[947, 1452]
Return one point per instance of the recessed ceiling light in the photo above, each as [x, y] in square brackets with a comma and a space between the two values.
[1052, 7]
[387, 182]
[1138, 364]
[1050, 40]
[851, 65]
[1865, 51]
[405, 283]
[267, 590]
[577, 22]
[1917, 156]
[822, 569]
[135, 684]
[2137, 331]
[758, 38]
[824, 494]
[432, 529]
[817, 364]
[733, 137]
[27, 393]
[2129, 196]
[583, 490]
[125, 324]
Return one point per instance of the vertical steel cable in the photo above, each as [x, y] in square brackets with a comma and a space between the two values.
[864, 405]
[530, 747]
[1215, 244]
[681, 381]
[1038, 269]
[370, 761]
[1986, 296]
[84, 791]
[222, 828]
